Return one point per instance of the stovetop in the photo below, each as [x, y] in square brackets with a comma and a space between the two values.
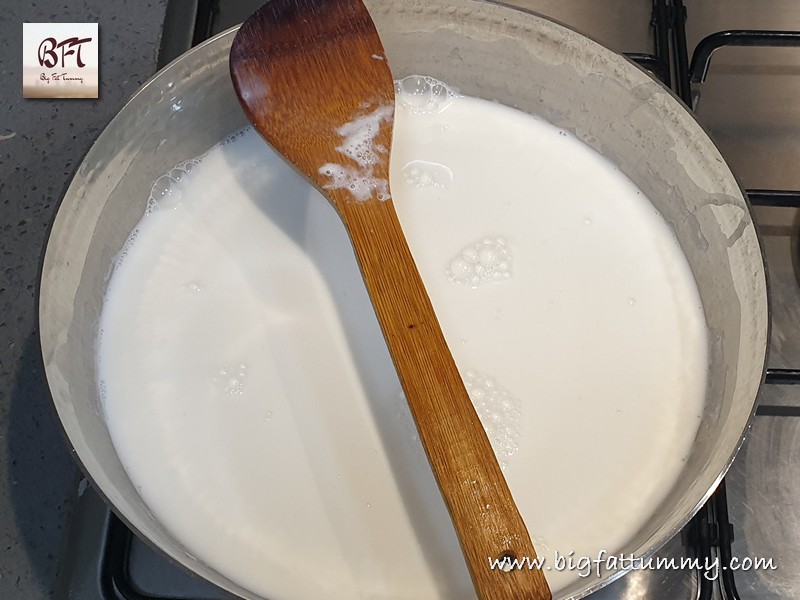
[737, 63]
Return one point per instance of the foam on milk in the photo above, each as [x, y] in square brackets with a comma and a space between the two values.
[358, 144]
[423, 95]
[422, 173]
[481, 262]
[251, 398]
[499, 413]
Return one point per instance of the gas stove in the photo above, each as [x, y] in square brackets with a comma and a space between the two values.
[737, 64]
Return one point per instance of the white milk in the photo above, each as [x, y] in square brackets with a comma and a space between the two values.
[253, 403]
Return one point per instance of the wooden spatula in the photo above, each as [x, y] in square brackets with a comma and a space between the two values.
[313, 79]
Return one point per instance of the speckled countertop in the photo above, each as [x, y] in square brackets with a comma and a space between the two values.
[41, 143]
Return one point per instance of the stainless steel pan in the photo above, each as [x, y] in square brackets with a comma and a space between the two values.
[486, 50]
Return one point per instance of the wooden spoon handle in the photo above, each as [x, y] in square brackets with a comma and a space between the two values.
[486, 519]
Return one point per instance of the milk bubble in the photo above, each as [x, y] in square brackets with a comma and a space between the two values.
[193, 287]
[488, 260]
[427, 174]
[167, 191]
[230, 379]
[423, 95]
[499, 413]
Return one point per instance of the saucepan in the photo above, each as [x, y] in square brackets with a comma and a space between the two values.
[486, 50]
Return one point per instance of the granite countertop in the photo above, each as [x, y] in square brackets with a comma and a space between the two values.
[41, 144]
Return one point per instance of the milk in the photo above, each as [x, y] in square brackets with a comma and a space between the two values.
[252, 401]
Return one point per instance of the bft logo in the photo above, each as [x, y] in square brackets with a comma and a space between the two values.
[48, 57]
[60, 60]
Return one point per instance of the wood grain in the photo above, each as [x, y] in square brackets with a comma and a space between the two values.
[302, 69]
